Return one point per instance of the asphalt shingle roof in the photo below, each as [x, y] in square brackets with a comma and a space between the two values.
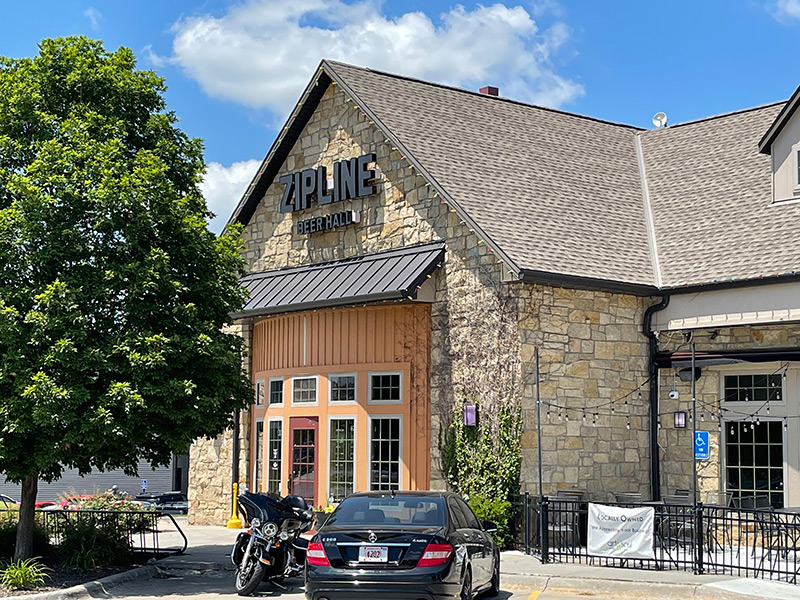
[561, 194]
[557, 192]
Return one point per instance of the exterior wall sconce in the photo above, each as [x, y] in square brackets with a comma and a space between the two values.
[680, 420]
[470, 415]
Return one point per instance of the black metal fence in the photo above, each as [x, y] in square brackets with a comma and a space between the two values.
[146, 532]
[762, 543]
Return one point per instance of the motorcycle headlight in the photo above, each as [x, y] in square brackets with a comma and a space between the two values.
[256, 523]
[270, 529]
[284, 535]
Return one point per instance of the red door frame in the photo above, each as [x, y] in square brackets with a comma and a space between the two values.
[296, 423]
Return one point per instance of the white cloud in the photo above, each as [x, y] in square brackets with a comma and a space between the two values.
[223, 187]
[94, 16]
[261, 53]
[788, 8]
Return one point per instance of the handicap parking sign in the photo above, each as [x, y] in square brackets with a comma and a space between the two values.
[701, 450]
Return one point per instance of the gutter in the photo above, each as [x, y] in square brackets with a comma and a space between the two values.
[655, 465]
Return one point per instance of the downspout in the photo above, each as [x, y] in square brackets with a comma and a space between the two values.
[655, 465]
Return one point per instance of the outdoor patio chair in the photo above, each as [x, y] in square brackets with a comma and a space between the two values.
[628, 497]
[772, 530]
[723, 499]
[714, 520]
[564, 519]
[679, 519]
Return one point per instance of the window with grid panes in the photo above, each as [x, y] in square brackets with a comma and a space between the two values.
[753, 388]
[342, 455]
[754, 460]
[274, 447]
[305, 390]
[385, 453]
[385, 387]
[276, 391]
[343, 388]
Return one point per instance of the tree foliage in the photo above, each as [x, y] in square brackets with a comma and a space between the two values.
[113, 293]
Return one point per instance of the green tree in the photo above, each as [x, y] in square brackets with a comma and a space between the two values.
[113, 293]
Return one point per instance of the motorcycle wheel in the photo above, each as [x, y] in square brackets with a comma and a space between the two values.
[247, 579]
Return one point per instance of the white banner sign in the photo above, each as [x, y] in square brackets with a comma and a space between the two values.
[620, 532]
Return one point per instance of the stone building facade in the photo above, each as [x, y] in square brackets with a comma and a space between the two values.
[318, 350]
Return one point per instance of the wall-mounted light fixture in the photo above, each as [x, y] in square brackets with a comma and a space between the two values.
[470, 415]
[680, 419]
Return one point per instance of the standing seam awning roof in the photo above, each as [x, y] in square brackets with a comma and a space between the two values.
[388, 275]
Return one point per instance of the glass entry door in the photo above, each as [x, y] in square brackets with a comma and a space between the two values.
[303, 480]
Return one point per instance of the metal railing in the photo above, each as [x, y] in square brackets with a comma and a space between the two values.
[146, 532]
[761, 543]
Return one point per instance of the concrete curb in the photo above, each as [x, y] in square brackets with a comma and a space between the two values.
[93, 589]
[618, 588]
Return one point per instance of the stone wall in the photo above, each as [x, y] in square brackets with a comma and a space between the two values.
[210, 463]
[676, 444]
[593, 361]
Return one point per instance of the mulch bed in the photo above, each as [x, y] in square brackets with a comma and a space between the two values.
[60, 579]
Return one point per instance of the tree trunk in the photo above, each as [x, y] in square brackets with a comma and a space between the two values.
[27, 504]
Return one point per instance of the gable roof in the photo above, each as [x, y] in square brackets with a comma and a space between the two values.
[574, 200]
[765, 145]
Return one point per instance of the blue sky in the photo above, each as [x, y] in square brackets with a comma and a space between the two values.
[234, 67]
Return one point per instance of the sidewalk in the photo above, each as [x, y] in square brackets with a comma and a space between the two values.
[518, 569]
[209, 548]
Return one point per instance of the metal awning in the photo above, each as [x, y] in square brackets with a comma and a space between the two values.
[388, 275]
[726, 357]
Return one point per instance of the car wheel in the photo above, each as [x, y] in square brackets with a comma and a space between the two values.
[466, 588]
[494, 586]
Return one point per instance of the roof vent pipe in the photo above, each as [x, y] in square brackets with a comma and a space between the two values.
[489, 90]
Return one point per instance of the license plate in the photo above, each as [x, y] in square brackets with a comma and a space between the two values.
[377, 554]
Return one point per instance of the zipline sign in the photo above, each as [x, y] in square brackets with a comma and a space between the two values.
[701, 449]
[620, 532]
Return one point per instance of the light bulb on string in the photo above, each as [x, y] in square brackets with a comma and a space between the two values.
[732, 430]
[628, 423]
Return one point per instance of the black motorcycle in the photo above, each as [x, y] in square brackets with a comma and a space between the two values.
[271, 548]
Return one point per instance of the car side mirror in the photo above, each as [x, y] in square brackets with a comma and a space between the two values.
[489, 526]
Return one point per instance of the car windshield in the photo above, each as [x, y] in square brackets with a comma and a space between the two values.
[364, 511]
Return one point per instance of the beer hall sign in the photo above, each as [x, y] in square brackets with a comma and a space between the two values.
[350, 179]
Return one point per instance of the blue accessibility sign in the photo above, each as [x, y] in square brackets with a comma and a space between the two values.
[701, 450]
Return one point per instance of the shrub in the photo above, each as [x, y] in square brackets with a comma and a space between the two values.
[23, 575]
[8, 535]
[497, 510]
[86, 546]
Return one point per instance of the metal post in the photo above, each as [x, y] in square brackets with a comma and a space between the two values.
[698, 528]
[526, 521]
[544, 540]
[695, 533]
[538, 417]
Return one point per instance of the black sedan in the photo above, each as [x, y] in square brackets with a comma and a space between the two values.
[409, 545]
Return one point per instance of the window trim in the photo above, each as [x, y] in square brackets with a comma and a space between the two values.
[269, 391]
[723, 454]
[283, 452]
[372, 417]
[261, 383]
[264, 434]
[337, 417]
[753, 403]
[369, 387]
[796, 171]
[355, 389]
[316, 397]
